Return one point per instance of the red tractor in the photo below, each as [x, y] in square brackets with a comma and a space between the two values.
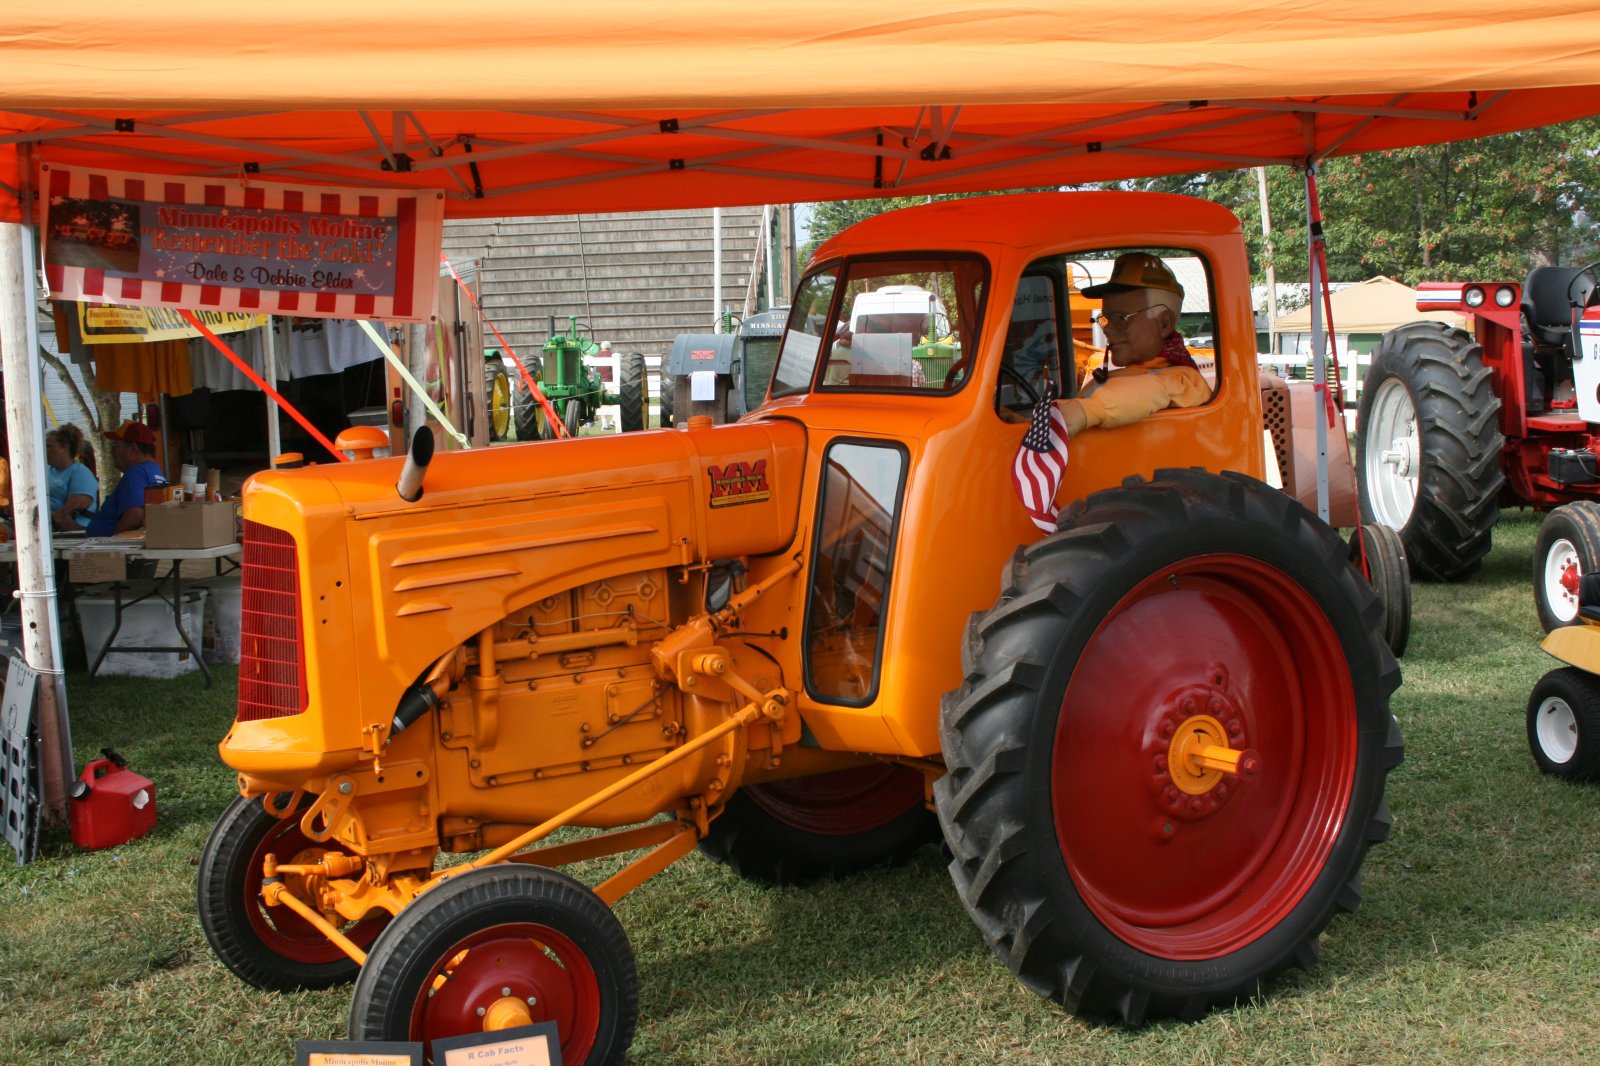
[1454, 425]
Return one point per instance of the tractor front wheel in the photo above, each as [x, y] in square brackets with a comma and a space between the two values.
[1564, 724]
[1168, 757]
[513, 945]
[1567, 547]
[268, 947]
[1385, 569]
[826, 825]
[1428, 447]
[634, 390]
[529, 411]
[574, 416]
[497, 388]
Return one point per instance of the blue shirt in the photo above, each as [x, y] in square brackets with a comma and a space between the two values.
[128, 493]
[75, 480]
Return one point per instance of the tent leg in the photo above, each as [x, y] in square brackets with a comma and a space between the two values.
[269, 351]
[41, 633]
[1318, 357]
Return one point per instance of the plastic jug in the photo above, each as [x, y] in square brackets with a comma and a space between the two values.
[110, 804]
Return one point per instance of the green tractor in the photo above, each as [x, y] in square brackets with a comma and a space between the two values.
[574, 388]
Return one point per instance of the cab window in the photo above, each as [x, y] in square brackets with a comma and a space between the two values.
[1037, 345]
[857, 512]
[1196, 321]
[903, 324]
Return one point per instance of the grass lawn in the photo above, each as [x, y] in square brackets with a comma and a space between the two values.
[1479, 940]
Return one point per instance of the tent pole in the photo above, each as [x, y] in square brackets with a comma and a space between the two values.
[1272, 274]
[716, 270]
[269, 354]
[1318, 358]
[36, 585]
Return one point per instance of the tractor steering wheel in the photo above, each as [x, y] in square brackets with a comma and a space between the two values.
[1009, 371]
[956, 369]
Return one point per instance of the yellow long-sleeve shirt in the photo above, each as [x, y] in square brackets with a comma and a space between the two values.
[1134, 392]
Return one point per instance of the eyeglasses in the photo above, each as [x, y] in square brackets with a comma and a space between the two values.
[1120, 319]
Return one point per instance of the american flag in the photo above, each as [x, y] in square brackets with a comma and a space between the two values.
[1041, 460]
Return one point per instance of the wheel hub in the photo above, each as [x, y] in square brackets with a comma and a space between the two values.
[1401, 457]
[508, 976]
[1197, 752]
[1569, 577]
[1561, 573]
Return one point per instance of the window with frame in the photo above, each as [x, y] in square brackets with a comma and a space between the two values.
[858, 511]
[904, 324]
[1196, 320]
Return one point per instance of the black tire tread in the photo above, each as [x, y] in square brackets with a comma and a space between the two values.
[1578, 522]
[407, 950]
[1390, 579]
[757, 846]
[220, 902]
[526, 407]
[634, 390]
[1460, 480]
[1581, 692]
[982, 802]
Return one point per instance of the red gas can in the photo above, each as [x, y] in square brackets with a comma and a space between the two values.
[111, 804]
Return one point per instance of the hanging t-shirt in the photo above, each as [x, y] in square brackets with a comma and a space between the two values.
[75, 480]
[128, 493]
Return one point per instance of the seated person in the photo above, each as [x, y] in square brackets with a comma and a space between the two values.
[73, 488]
[1154, 371]
[133, 449]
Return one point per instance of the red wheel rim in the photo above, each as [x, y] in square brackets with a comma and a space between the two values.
[1198, 877]
[281, 930]
[843, 802]
[533, 961]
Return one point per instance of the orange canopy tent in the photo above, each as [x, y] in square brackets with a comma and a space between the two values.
[512, 108]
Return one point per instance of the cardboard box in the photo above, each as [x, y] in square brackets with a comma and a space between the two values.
[89, 566]
[189, 525]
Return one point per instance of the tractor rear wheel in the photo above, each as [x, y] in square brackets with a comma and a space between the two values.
[508, 939]
[1564, 724]
[634, 389]
[826, 825]
[1567, 547]
[1428, 447]
[530, 412]
[269, 947]
[497, 391]
[1390, 577]
[1105, 865]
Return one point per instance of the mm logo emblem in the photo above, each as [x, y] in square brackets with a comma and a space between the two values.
[738, 483]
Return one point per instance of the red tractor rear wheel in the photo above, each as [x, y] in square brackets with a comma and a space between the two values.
[1167, 629]
[825, 825]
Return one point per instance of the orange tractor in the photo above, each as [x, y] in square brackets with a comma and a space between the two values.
[1154, 742]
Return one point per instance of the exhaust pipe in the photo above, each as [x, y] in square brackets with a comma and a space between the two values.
[417, 459]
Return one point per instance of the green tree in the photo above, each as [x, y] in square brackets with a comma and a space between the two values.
[1486, 210]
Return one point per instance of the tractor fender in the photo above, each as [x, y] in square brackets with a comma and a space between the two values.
[1576, 646]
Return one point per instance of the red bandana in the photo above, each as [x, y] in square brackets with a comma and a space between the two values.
[1174, 352]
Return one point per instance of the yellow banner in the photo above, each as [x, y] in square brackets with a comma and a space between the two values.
[107, 324]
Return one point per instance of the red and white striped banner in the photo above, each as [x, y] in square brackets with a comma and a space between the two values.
[156, 240]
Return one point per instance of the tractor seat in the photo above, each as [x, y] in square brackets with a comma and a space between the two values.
[1546, 307]
[1589, 596]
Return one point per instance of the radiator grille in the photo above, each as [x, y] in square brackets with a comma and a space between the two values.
[272, 672]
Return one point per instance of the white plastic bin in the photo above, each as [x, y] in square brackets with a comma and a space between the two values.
[145, 624]
[220, 642]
